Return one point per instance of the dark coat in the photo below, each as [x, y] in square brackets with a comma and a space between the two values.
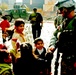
[27, 64]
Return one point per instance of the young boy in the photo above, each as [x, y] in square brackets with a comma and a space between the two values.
[40, 50]
[18, 34]
[18, 37]
[42, 54]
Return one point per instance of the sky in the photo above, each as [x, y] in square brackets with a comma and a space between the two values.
[18, 0]
[21, 0]
[75, 0]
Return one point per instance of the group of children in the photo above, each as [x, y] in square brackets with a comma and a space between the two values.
[23, 57]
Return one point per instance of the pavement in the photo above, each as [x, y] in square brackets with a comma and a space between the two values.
[46, 32]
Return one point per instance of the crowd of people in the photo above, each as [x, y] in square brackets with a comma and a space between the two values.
[23, 58]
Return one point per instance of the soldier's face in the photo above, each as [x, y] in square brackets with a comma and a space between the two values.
[63, 11]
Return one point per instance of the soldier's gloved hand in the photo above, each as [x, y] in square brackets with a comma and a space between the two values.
[51, 49]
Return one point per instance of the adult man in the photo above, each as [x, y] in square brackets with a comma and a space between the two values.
[36, 20]
[67, 38]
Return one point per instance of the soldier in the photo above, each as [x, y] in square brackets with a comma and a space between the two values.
[36, 20]
[67, 38]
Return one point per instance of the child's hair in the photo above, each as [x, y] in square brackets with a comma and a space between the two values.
[37, 39]
[3, 55]
[3, 52]
[19, 21]
[26, 49]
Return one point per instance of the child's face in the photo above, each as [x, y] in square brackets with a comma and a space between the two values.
[39, 45]
[20, 28]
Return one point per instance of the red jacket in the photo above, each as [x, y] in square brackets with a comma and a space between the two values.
[4, 24]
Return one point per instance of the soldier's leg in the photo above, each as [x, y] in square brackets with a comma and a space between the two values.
[67, 67]
[56, 63]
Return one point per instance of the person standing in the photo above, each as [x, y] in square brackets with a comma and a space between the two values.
[36, 20]
[18, 37]
[43, 54]
[65, 43]
[40, 51]
[4, 24]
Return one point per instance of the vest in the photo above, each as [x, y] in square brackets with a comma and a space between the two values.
[66, 39]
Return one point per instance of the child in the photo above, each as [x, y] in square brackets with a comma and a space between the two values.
[5, 61]
[4, 24]
[18, 37]
[41, 52]
[18, 34]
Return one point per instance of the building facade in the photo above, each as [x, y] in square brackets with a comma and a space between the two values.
[46, 5]
[34, 3]
[10, 3]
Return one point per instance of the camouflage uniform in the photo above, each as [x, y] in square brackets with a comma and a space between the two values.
[58, 20]
[67, 39]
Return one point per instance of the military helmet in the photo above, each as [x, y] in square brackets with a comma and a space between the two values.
[65, 3]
